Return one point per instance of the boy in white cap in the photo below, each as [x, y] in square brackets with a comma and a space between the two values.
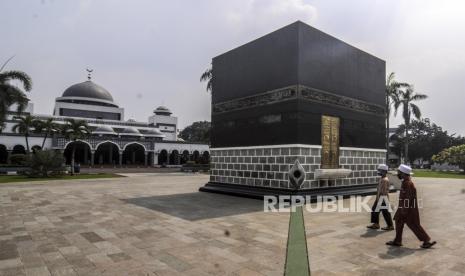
[407, 212]
[382, 201]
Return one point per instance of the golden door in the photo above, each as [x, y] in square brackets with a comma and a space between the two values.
[329, 142]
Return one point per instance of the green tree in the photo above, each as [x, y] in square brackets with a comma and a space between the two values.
[46, 127]
[392, 98]
[208, 76]
[45, 163]
[10, 94]
[197, 132]
[454, 155]
[426, 139]
[24, 126]
[75, 130]
[406, 99]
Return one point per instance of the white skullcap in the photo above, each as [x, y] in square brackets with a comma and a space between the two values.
[383, 167]
[405, 169]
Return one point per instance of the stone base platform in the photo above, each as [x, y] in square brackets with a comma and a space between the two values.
[260, 192]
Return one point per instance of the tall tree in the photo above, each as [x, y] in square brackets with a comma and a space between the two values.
[426, 139]
[24, 126]
[407, 97]
[75, 130]
[208, 76]
[197, 132]
[392, 97]
[46, 127]
[10, 94]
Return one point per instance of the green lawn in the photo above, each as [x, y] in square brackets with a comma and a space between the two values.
[438, 174]
[21, 178]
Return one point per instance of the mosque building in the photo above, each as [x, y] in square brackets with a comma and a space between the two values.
[113, 140]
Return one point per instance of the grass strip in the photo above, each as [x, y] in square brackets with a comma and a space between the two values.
[22, 178]
[297, 253]
[438, 174]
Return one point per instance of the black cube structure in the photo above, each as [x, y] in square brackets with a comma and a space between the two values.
[296, 94]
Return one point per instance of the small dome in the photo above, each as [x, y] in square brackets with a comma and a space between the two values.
[130, 131]
[162, 110]
[153, 132]
[104, 130]
[88, 89]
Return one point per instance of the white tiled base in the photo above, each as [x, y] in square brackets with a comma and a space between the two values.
[267, 166]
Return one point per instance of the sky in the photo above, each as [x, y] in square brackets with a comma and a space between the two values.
[149, 53]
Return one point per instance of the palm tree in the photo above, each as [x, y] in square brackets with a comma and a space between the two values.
[392, 97]
[46, 127]
[24, 125]
[207, 76]
[406, 98]
[11, 94]
[75, 130]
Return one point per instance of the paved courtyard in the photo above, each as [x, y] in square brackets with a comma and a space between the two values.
[158, 224]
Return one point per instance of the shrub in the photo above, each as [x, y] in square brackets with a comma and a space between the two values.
[453, 155]
[18, 159]
[45, 163]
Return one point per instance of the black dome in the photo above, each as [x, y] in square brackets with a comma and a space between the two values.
[162, 110]
[88, 89]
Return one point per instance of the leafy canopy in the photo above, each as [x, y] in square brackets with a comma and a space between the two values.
[454, 155]
[197, 132]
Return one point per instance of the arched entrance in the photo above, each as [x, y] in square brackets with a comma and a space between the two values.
[81, 154]
[107, 153]
[35, 148]
[185, 157]
[163, 158]
[3, 154]
[18, 149]
[196, 156]
[205, 157]
[134, 154]
[174, 158]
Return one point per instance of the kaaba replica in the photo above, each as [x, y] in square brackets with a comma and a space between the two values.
[296, 94]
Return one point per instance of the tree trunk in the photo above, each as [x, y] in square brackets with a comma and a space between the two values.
[45, 138]
[26, 136]
[406, 143]
[72, 158]
[387, 129]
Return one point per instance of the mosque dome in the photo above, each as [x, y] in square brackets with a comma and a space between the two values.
[130, 131]
[162, 110]
[104, 130]
[88, 89]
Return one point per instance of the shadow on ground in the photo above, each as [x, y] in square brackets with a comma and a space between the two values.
[398, 252]
[370, 233]
[198, 205]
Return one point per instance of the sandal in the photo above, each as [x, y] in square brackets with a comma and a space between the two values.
[373, 226]
[427, 245]
[393, 243]
[388, 228]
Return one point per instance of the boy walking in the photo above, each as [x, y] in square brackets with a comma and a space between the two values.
[382, 201]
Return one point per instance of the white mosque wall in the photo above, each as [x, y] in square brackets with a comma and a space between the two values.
[181, 147]
[10, 141]
[166, 124]
[88, 107]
